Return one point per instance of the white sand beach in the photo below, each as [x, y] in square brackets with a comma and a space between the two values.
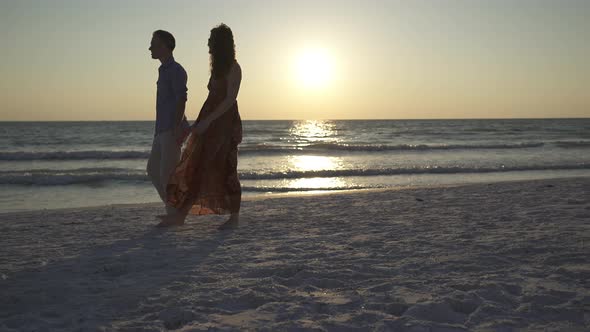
[481, 257]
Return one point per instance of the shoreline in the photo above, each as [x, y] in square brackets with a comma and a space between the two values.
[278, 195]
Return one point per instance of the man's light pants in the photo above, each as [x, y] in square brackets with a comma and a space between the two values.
[162, 162]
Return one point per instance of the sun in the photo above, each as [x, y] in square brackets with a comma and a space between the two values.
[314, 67]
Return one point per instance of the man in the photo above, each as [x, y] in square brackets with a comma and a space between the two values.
[171, 124]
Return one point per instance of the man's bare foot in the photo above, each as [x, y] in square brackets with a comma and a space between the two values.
[165, 215]
[172, 220]
[231, 223]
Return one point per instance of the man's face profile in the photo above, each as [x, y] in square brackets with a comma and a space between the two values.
[157, 48]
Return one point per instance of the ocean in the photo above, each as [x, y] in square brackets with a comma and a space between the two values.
[46, 165]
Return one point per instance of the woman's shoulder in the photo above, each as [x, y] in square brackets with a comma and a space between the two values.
[234, 73]
[236, 68]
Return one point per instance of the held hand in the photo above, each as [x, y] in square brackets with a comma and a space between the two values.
[180, 134]
[200, 127]
[184, 133]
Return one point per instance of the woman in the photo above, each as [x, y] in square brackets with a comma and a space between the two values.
[206, 179]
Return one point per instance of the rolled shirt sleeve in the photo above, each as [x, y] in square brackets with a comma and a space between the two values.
[179, 80]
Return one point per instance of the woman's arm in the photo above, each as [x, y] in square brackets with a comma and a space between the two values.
[234, 78]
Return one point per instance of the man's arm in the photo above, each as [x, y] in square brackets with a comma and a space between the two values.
[179, 80]
[180, 107]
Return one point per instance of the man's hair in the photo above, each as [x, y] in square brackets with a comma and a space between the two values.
[167, 38]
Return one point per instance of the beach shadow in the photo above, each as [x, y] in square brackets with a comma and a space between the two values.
[121, 278]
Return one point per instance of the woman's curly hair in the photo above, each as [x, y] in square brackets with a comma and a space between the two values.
[222, 50]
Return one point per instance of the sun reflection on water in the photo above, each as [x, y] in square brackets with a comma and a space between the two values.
[308, 135]
[313, 131]
[314, 163]
[318, 183]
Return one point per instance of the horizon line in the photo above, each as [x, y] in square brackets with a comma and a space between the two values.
[348, 119]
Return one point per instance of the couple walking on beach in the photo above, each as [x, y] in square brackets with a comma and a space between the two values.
[202, 177]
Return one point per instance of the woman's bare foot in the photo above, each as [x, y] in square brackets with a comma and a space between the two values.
[231, 223]
[172, 220]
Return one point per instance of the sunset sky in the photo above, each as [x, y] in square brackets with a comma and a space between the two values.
[89, 60]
